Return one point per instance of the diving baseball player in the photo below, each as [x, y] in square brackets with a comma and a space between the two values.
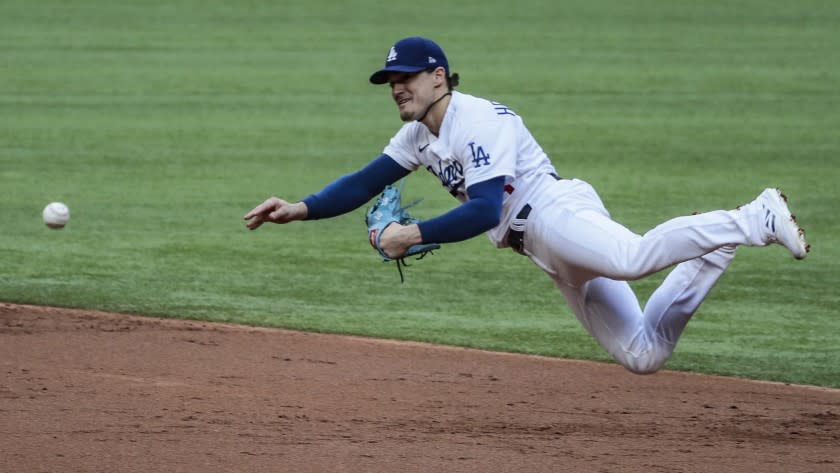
[483, 155]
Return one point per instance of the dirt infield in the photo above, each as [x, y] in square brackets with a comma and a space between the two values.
[97, 392]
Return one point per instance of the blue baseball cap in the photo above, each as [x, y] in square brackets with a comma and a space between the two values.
[413, 54]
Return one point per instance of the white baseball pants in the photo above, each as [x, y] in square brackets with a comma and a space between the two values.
[570, 235]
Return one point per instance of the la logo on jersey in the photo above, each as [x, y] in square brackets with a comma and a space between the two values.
[479, 156]
[392, 55]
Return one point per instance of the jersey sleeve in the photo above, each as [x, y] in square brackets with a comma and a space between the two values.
[487, 149]
[401, 147]
[351, 191]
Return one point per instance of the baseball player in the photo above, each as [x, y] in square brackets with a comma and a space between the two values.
[483, 155]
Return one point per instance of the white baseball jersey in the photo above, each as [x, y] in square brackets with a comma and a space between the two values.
[478, 140]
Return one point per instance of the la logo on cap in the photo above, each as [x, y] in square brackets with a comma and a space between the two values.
[392, 55]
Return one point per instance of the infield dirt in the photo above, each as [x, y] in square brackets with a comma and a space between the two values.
[96, 392]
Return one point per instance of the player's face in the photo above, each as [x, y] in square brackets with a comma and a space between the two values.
[413, 93]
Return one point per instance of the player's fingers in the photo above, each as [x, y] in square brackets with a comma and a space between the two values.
[391, 248]
[255, 222]
[253, 213]
[258, 210]
[267, 206]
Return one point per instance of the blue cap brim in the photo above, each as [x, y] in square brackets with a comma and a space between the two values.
[381, 76]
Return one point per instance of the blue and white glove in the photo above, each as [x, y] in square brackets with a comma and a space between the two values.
[386, 210]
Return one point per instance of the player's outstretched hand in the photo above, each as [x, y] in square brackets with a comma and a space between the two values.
[275, 210]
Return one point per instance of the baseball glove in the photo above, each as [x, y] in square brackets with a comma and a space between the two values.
[386, 210]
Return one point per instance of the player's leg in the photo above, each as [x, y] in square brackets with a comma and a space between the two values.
[642, 341]
[610, 312]
[591, 241]
[580, 234]
[674, 302]
[608, 309]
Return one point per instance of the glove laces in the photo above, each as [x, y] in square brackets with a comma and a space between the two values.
[401, 263]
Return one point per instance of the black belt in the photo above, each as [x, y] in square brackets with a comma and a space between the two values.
[516, 234]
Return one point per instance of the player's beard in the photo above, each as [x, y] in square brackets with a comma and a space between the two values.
[418, 113]
[411, 112]
[407, 116]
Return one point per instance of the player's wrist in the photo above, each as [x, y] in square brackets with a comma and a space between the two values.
[301, 211]
[411, 235]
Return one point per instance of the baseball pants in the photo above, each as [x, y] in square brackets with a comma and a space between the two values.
[590, 257]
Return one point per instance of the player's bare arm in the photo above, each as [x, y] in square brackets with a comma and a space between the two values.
[275, 210]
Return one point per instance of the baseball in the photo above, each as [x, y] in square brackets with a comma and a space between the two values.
[56, 215]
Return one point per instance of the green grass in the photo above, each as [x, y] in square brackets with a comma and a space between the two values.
[160, 124]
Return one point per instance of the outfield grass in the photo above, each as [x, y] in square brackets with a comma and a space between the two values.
[160, 124]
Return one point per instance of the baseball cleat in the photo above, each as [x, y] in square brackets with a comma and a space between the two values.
[780, 224]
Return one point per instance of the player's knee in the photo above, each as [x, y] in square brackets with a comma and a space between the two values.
[643, 353]
[643, 368]
[648, 362]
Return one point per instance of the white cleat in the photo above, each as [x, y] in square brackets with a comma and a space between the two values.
[780, 225]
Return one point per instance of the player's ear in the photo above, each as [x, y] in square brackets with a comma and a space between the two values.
[440, 76]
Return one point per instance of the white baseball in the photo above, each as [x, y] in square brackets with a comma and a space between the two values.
[56, 215]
